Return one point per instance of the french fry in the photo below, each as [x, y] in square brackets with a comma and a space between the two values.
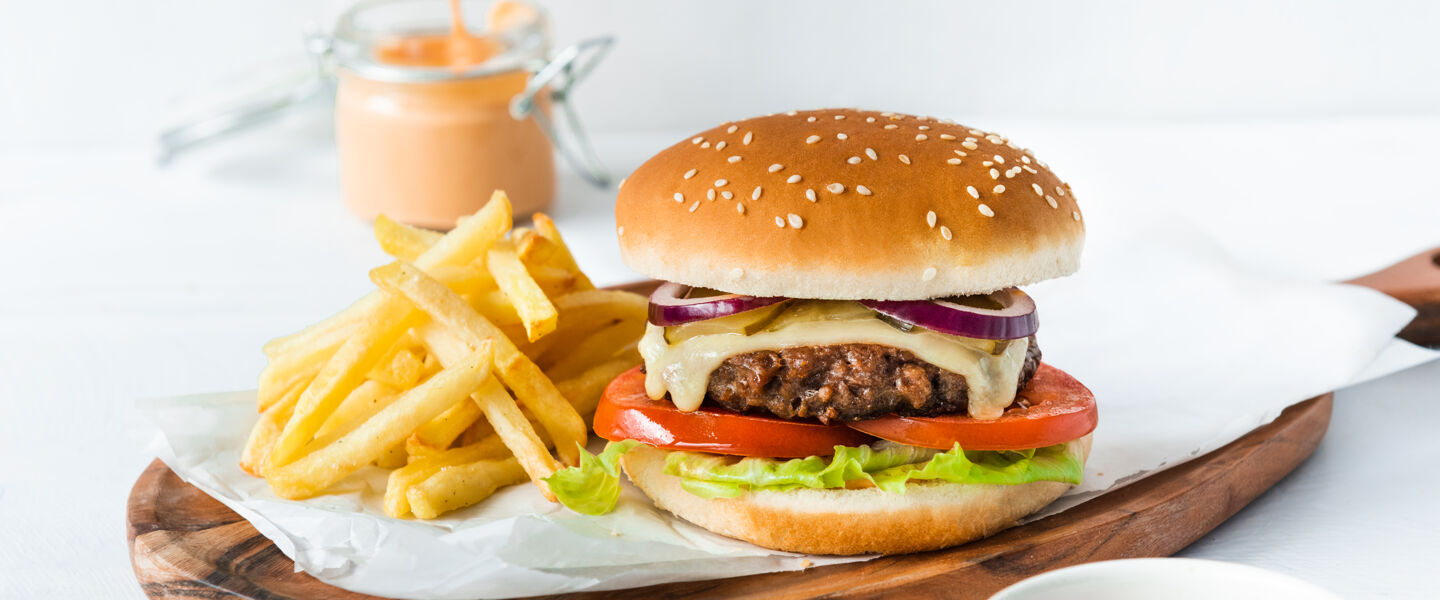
[546, 228]
[393, 458]
[583, 313]
[272, 386]
[267, 430]
[340, 375]
[403, 241]
[401, 370]
[584, 389]
[469, 240]
[460, 486]
[518, 372]
[397, 505]
[439, 433]
[597, 347]
[479, 430]
[325, 466]
[364, 401]
[535, 310]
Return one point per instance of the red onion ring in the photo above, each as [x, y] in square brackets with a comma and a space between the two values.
[1016, 319]
[670, 306]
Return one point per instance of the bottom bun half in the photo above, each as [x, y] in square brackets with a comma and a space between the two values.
[928, 516]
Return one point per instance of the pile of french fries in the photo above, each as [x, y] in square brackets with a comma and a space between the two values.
[480, 351]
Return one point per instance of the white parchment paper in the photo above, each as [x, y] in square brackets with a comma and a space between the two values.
[1184, 349]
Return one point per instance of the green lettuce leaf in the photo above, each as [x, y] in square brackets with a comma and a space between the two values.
[885, 465]
[593, 487]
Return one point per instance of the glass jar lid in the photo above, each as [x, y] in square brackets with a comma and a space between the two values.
[519, 32]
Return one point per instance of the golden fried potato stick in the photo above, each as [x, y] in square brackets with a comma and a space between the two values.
[367, 399]
[460, 486]
[393, 458]
[584, 390]
[401, 370]
[535, 310]
[546, 228]
[595, 348]
[468, 241]
[395, 502]
[583, 313]
[325, 466]
[283, 374]
[267, 430]
[341, 375]
[403, 241]
[519, 373]
[440, 433]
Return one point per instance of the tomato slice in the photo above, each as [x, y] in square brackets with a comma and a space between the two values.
[627, 412]
[1059, 409]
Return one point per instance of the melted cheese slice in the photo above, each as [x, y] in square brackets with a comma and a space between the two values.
[682, 367]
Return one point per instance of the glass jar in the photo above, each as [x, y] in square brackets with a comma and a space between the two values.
[425, 139]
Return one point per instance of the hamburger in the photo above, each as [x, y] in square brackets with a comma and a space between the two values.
[838, 358]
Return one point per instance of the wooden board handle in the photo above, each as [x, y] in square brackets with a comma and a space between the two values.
[1414, 281]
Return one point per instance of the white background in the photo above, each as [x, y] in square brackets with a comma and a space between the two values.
[1255, 120]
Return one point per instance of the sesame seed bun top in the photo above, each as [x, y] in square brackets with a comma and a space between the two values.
[848, 204]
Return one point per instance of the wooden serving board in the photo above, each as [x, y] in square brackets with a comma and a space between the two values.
[186, 545]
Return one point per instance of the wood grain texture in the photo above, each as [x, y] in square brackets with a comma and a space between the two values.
[186, 545]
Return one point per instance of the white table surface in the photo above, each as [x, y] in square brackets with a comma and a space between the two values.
[118, 282]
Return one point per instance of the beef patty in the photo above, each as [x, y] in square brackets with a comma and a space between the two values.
[845, 382]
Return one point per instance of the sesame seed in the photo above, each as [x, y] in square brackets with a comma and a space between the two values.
[835, 188]
[1011, 173]
[904, 159]
[994, 174]
[732, 129]
[839, 117]
[946, 137]
[737, 273]
[691, 173]
[969, 145]
[780, 222]
[1031, 170]
[999, 189]
[987, 162]
[727, 195]
[945, 233]
[720, 145]
[679, 197]
[792, 113]
[749, 135]
[869, 119]
[976, 132]
[928, 274]
[740, 208]
[974, 193]
[810, 195]
[755, 195]
[920, 137]
[810, 119]
[1075, 214]
[733, 159]
[793, 179]
[994, 139]
[887, 114]
[812, 139]
[776, 167]
[930, 219]
[862, 190]
[1060, 191]
[1051, 201]
[986, 210]
[924, 128]
[999, 159]
[892, 126]
[621, 185]
[1038, 191]
[953, 161]
[697, 139]
[695, 206]
[620, 231]
[721, 182]
[854, 160]
[705, 145]
[842, 137]
[870, 152]
[796, 221]
[1025, 159]
[710, 193]
[961, 153]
